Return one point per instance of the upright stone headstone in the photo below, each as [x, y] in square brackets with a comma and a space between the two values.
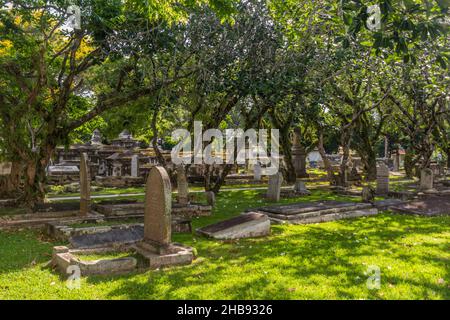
[85, 185]
[210, 198]
[396, 162]
[257, 172]
[300, 187]
[182, 185]
[158, 209]
[382, 179]
[298, 155]
[274, 189]
[426, 179]
[96, 137]
[5, 168]
[367, 194]
[135, 165]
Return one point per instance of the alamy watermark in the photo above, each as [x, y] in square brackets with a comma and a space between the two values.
[74, 279]
[373, 281]
[74, 20]
[236, 146]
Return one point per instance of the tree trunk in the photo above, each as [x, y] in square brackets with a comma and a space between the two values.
[10, 184]
[345, 144]
[409, 163]
[34, 192]
[285, 143]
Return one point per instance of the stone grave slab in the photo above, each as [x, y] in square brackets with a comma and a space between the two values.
[428, 206]
[247, 225]
[318, 211]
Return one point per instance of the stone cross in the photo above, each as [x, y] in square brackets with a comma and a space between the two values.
[182, 185]
[382, 179]
[85, 185]
[135, 165]
[426, 179]
[274, 189]
[158, 208]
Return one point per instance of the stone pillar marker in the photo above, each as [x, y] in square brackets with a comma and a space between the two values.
[396, 162]
[210, 198]
[382, 179]
[426, 179]
[298, 155]
[182, 185]
[274, 189]
[158, 209]
[85, 185]
[135, 165]
[257, 172]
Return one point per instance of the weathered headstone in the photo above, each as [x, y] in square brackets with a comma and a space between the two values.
[426, 179]
[298, 155]
[367, 194]
[158, 209]
[257, 172]
[396, 162]
[135, 165]
[210, 198]
[96, 137]
[182, 185]
[300, 187]
[274, 189]
[382, 179]
[5, 168]
[85, 185]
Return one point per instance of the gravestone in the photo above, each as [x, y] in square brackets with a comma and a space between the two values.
[157, 211]
[85, 185]
[382, 179]
[300, 187]
[367, 194]
[396, 162]
[5, 168]
[274, 189]
[96, 138]
[298, 155]
[182, 185]
[247, 225]
[426, 179]
[257, 172]
[135, 165]
[210, 198]
[156, 247]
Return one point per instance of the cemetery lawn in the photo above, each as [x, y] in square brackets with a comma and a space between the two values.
[319, 261]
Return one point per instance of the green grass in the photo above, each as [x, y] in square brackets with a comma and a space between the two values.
[320, 261]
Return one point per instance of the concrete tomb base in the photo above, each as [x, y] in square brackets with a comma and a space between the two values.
[63, 258]
[158, 256]
[247, 225]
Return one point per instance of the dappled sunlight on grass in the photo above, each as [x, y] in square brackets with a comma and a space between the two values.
[319, 261]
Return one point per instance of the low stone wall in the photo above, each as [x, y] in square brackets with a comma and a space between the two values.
[123, 181]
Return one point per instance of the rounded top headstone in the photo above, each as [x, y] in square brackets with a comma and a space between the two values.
[158, 207]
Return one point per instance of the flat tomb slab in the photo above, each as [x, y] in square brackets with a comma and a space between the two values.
[251, 224]
[387, 203]
[328, 217]
[307, 207]
[91, 237]
[429, 206]
[137, 208]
